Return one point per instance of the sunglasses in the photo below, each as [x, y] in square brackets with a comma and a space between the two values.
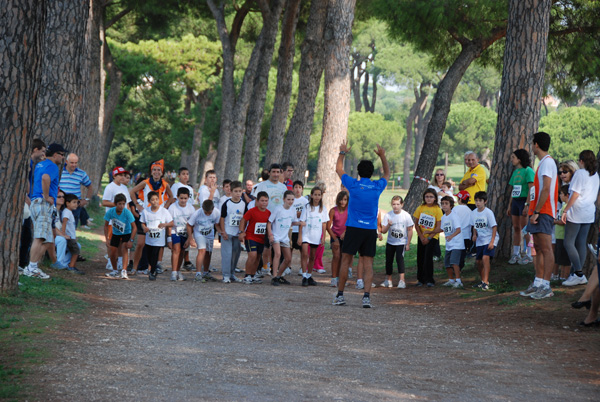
[440, 174]
[563, 172]
[61, 196]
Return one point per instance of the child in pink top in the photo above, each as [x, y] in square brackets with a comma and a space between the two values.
[336, 227]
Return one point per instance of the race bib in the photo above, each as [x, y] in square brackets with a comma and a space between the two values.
[396, 234]
[516, 192]
[427, 221]
[205, 231]
[118, 225]
[532, 193]
[448, 229]
[154, 233]
[235, 219]
[481, 223]
[181, 231]
[260, 228]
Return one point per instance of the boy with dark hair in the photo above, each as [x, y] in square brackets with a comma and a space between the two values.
[123, 231]
[485, 237]
[181, 211]
[232, 212]
[253, 227]
[300, 202]
[201, 228]
[451, 226]
[155, 219]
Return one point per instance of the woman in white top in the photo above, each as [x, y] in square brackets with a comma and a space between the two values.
[579, 214]
[437, 183]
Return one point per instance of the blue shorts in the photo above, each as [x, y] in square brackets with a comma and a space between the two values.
[484, 250]
[176, 239]
[545, 225]
[254, 246]
[517, 206]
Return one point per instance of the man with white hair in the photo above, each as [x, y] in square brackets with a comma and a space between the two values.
[71, 181]
[474, 179]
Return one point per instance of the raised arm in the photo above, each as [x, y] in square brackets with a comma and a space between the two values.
[384, 163]
[339, 165]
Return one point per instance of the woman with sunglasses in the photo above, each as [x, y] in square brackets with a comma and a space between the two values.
[521, 182]
[442, 189]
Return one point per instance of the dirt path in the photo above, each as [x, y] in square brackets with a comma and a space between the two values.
[212, 341]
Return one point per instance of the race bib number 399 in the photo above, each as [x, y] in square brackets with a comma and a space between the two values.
[481, 223]
[427, 221]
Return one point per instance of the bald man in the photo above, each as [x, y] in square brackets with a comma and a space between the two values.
[71, 181]
[474, 179]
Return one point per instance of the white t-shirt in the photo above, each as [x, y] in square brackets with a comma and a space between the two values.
[311, 233]
[156, 236]
[584, 208]
[204, 224]
[180, 216]
[450, 223]
[113, 189]
[70, 229]
[232, 214]
[298, 205]
[399, 224]
[281, 221]
[222, 200]
[483, 222]
[275, 191]
[177, 186]
[204, 193]
[464, 217]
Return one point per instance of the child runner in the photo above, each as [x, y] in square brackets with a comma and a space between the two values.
[68, 227]
[399, 226]
[253, 227]
[455, 245]
[117, 186]
[184, 179]
[181, 211]
[226, 192]
[155, 219]
[232, 212]
[311, 235]
[209, 191]
[123, 230]
[201, 227]
[427, 218]
[300, 201]
[278, 230]
[463, 212]
[336, 227]
[484, 234]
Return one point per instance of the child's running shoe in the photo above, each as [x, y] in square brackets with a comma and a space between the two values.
[457, 285]
[339, 301]
[113, 274]
[124, 274]
[235, 279]
[180, 276]
[387, 284]
[256, 280]
[174, 275]
[208, 277]
[366, 302]
[321, 271]
[448, 284]
[248, 280]
[188, 266]
[226, 280]
[401, 285]
[334, 282]
[530, 290]
[35, 273]
[312, 282]
[283, 281]
[514, 259]
[198, 277]
[360, 284]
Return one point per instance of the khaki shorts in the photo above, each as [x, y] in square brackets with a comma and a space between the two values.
[41, 215]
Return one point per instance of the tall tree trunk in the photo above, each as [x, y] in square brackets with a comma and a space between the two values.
[338, 38]
[520, 103]
[193, 165]
[365, 93]
[256, 110]
[295, 148]
[420, 100]
[420, 127]
[441, 107]
[355, 84]
[374, 93]
[207, 163]
[283, 92]
[22, 26]
[61, 108]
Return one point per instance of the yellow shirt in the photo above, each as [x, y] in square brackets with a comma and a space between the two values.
[427, 218]
[478, 172]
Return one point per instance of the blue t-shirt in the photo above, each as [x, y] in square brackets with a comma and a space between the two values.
[364, 201]
[121, 224]
[45, 167]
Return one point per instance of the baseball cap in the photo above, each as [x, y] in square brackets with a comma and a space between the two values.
[463, 195]
[54, 148]
[119, 170]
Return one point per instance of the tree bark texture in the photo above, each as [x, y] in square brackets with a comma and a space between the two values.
[62, 114]
[227, 86]
[202, 101]
[207, 163]
[520, 103]
[256, 108]
[338, 39]
[357, 73]
[420, 127]
[283, 92]
[22, 26]
[420, 100]
[295, 148]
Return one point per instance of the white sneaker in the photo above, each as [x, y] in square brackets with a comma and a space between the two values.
[334, 282]
[180, 276]
[226, 280]
[113, 274]
[124, 274]
[321, 271]
[85, 227]
[387, 284]
[360, 284]
[448, 284]
[35, 273]
[401, 285]
[554, 277]
[349, 273]
[457, 285]
[174, 275]
[247, 280]
[109, 266]
[235, 279]
[212, 269]
[575, 280]
[287, 271]
[525, 260]
[90, 219]
[513, 259]
[237, 270]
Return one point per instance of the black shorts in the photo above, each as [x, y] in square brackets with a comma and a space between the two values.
[361, 241]
[337, 239]
[310, 244]
[560, 253]
[117, 240]
[294, 244]
[517, 206]
[140, 229]
[72, 246]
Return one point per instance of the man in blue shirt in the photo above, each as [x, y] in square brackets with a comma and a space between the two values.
[361, 225]
[43, 199]
[71, 180]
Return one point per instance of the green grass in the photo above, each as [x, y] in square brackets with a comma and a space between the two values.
[26, 318]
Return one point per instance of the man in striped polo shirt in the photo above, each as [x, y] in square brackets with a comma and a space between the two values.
[71, 180]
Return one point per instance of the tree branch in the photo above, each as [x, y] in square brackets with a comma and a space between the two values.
[117, 17]
[592, 29]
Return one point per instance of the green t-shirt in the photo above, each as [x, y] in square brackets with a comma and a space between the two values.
[520, 180]
[559, 230]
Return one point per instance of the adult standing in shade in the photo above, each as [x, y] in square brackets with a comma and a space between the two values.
[474, 179]
[71, 181]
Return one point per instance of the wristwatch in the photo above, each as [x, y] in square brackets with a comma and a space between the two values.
[342, 153]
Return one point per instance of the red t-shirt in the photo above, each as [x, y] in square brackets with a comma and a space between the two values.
[257, 224]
